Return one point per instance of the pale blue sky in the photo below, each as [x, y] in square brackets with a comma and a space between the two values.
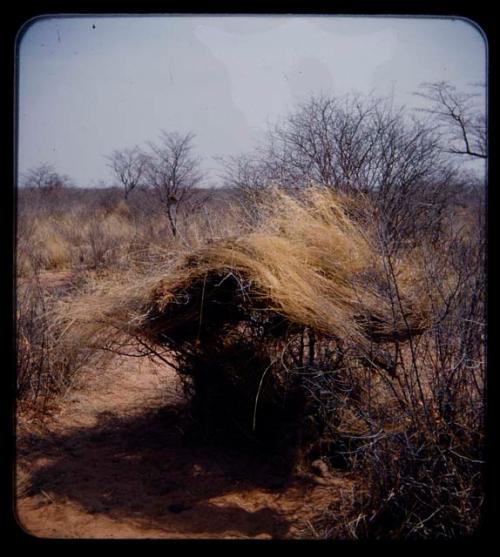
[89, 85]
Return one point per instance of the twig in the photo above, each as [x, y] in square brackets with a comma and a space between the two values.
[258, 393]
[201, 305]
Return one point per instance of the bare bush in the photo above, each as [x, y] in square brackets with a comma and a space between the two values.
[248, 175]
[356, 145]
[418, 437]
[48, 360]
[45, 176]
[352, 143]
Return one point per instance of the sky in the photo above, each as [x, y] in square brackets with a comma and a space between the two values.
[90, 85]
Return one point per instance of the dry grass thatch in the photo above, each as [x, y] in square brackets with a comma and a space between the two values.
[246, 318]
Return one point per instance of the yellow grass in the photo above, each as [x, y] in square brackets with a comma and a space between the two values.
[307, 260]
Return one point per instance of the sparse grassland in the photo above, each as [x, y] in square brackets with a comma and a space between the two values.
[292, 322]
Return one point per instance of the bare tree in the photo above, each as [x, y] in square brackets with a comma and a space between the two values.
[248, 175]
[359, 144]
[460, 118]
[129, 166]
[245, 172]
[44, 188]
[173, 171]
[351, 143]
[45, 176]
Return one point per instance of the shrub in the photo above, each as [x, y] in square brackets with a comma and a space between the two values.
[418, 438]
[48, 358]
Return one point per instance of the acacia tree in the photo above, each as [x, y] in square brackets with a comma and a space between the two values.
[173, 171]
[459, 117]
[129, 167]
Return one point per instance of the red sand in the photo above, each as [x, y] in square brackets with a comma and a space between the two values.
[113, 462]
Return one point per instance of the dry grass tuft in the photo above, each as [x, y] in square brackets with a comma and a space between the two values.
[310, 263]
[48, 356]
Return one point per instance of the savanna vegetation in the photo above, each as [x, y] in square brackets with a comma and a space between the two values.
[326, 304]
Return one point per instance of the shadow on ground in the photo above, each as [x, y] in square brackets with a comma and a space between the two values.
[143, 468]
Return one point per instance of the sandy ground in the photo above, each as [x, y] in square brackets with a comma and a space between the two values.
[114, 462]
